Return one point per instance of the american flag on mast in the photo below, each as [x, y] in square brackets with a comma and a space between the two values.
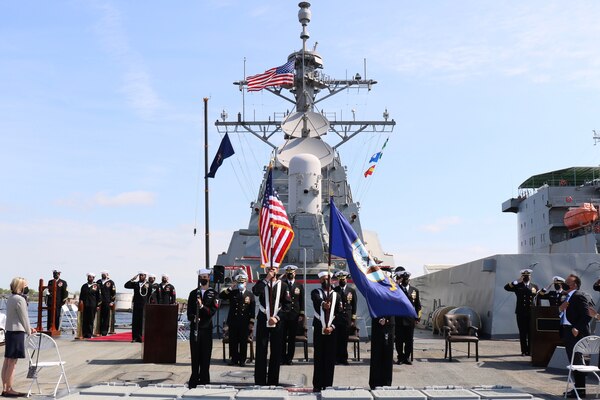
[278, 76]
[274, 229]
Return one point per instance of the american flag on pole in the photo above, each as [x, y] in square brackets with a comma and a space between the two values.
[279, 76]
[274, 229]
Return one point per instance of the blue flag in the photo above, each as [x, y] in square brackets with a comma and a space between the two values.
[384, 296]
[225, 150]
[376, 157]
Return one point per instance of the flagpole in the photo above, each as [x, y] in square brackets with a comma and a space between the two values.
[206, 215]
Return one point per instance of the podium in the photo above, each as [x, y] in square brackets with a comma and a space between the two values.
[160, 333]
[544, 334]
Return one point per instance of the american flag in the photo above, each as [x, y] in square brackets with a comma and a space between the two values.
[274, 229]
[279, 76]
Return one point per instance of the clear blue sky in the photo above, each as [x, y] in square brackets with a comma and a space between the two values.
[101, 122]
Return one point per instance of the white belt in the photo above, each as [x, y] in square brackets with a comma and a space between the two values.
[264, 311]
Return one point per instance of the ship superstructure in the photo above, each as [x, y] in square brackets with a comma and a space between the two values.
[543, 202]
[558, 233]
[306, 169]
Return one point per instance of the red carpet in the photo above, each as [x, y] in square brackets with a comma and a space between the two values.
[117, 337]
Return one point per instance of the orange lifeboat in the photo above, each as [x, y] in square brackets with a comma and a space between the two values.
[581, 216]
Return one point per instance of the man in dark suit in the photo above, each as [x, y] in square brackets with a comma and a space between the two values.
[525, 291]
[58, 296]
[240, 318]
[141, 291]
[202, 305]
[553, 296]
[574, 325]
[347, 322]
[405, 326]
[294, 317]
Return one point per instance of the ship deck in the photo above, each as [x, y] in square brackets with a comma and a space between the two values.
[90, 363]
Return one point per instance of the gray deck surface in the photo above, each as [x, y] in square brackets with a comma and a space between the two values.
[90, 363]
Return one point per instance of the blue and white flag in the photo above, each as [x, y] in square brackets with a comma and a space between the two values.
[384, 296]
[376, 157]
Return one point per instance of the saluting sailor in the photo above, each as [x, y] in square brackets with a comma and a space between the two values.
[295, 316]
[89, 302]
[240, 318]
[108, 293]
[202, 305]
[554, 297]
[274, 301]
[141, 290]
[405, 326]
[347, 322]
[327, 320]
[525, 291]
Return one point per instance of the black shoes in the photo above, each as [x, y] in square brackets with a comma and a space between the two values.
[572, 395]
[407, 362]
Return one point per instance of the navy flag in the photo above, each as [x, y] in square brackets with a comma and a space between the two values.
[384, 296]
[225, 150]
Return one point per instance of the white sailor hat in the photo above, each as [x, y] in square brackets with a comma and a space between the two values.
[91, 274]
[558, 279]
[323, 274]
[151, 275]
[56, 270]
[142, 272]
[204, 271]
[341, 274]
[400, 274]
[104, 271]
[526, 271]
[290, 268]
[241, 278]
[164, 275]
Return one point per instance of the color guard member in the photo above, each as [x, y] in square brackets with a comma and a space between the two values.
[202, 305]
[274, 302]
[327, 318]
[382, 349]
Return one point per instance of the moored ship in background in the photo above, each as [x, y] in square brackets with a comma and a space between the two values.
[558, 234]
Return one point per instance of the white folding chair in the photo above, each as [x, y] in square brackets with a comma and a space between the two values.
[67, 318]
[42, 352]
[587, 346]
[2, 327]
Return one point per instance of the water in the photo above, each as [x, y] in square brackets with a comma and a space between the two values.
[121, 318]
